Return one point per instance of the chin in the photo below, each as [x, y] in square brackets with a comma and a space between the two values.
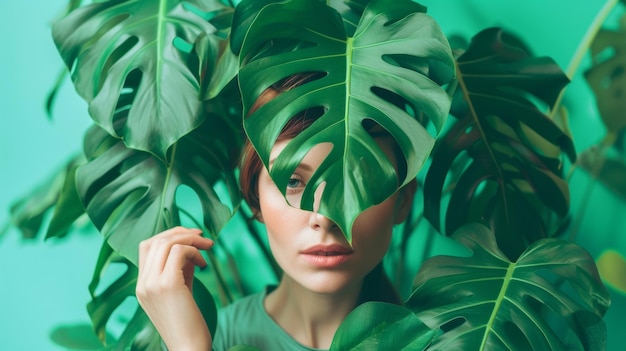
[329, 283]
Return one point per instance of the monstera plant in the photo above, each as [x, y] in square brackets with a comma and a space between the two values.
[168, 84]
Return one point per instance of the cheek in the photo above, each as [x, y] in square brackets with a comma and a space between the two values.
[372, 229]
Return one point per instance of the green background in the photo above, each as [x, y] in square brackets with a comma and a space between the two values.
[44, 284]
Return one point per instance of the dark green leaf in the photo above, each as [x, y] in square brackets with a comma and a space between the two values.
[135, 63]
[382, 326]
[506, 146]
[552, 298]
[130, 195]
[395, 51]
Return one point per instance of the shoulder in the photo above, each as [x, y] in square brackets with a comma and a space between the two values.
[238, 322]
[246, 307]
[245, 322]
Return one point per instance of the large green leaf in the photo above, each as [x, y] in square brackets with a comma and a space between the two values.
[507, 148]
[134, 63]
[68, 208]
[130, 195]
[57, 191]
[395, 50]
[382, 326]
[551, 298]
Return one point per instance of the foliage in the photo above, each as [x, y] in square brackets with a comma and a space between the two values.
[166, 92]
[126, 57]
[487, 302]
[505, 171]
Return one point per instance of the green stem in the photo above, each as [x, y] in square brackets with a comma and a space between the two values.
[583, 47]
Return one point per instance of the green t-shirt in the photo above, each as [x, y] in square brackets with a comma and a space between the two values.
[245, 322]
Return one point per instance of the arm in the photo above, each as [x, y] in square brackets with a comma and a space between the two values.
[164, 287]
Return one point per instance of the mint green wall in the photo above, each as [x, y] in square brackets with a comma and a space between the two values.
[44, 284]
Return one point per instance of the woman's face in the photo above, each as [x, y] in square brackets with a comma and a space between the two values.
[309, 247]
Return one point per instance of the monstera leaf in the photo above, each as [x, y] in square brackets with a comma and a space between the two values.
[505, 145]
[144, 66]
[607, 78]
[395, 48]
[382, 326]
[58, 192]
[130, 195]
[551, 298]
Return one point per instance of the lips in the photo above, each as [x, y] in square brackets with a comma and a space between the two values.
[327, 256]
[327, 250]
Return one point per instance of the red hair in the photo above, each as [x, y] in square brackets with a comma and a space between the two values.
[251, 164]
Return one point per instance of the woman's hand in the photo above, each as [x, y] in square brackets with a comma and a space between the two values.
[164, 287]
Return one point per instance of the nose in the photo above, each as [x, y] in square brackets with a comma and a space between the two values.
[318, 221]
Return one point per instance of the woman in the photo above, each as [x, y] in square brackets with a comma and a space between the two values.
[324, 278]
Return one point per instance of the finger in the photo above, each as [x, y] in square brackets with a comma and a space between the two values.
[154, 251]
[179, 260]
[146, 245]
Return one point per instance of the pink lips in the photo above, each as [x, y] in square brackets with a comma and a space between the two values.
[327, 256]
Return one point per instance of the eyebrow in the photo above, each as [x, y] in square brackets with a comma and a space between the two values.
[302, 165]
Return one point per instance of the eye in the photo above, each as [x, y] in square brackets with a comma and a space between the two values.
[295, 188]
[295, 182]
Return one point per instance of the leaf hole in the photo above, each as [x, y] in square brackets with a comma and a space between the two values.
[125, 100]
[182, 45]
[115, 56]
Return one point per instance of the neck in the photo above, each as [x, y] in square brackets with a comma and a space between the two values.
[311, 318]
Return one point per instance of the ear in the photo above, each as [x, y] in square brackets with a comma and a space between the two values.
[404, 201]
